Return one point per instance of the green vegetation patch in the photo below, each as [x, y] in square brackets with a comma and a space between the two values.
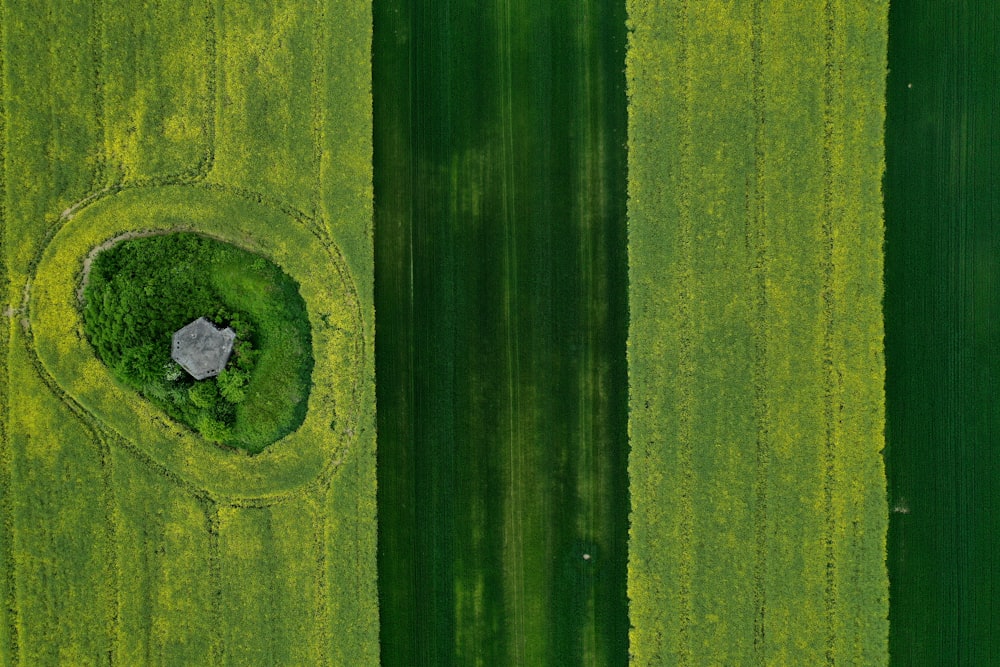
[141, 291]
[336, 331]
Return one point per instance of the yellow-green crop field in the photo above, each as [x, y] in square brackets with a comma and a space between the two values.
[755, 346]
[126, 538]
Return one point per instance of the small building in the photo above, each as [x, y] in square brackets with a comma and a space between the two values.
[202, 349]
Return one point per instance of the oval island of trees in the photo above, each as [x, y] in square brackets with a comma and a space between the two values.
[233, 319]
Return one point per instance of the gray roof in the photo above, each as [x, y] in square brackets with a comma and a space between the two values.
[202, 349]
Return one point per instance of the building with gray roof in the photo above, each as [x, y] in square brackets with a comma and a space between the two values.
[202, 349]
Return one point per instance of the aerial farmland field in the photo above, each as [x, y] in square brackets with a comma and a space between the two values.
[611, 271]
[127, 538]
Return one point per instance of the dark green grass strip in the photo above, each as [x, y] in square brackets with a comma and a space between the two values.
[9, 653]
[500, 293]
[942, 336]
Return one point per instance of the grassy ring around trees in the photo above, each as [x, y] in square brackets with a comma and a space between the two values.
[140, 291]
[333, 417]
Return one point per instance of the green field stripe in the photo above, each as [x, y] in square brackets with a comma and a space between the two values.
[861, 517]
[53, 134]
[157, 64]
[348, 596]
[265, 134]
[722, 410]
[796, 621]
[62, 545]
[659, 464]
[166, 590]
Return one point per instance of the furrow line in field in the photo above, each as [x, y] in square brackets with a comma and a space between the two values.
[97, 53]
[586, 474]
[211, 510]
[686, 323]
[211, 93]
[323, 625]
[515, 442]
[11, 612]
[757, 252]
[113, 520]
[317, 97]
[830, 593]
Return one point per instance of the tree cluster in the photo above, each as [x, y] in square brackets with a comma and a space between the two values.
[139, 292]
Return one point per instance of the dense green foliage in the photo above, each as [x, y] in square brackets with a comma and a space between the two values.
[942, 335]
[140, 291]
[755, 345]
[124, 538]
[501, 293]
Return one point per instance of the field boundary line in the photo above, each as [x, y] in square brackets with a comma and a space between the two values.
[829, 453]
[11, 610]
[757, 251]
[686, 323]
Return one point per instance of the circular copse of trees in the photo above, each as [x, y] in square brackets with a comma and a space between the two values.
[140, 292]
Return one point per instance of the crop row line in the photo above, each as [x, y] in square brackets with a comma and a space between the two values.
[686, 323]
[512, 342]
[112, 521]
[323, 630]
[318, 107]
[830, 592]
[211, 510]
[757, 251]
[99, 178]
